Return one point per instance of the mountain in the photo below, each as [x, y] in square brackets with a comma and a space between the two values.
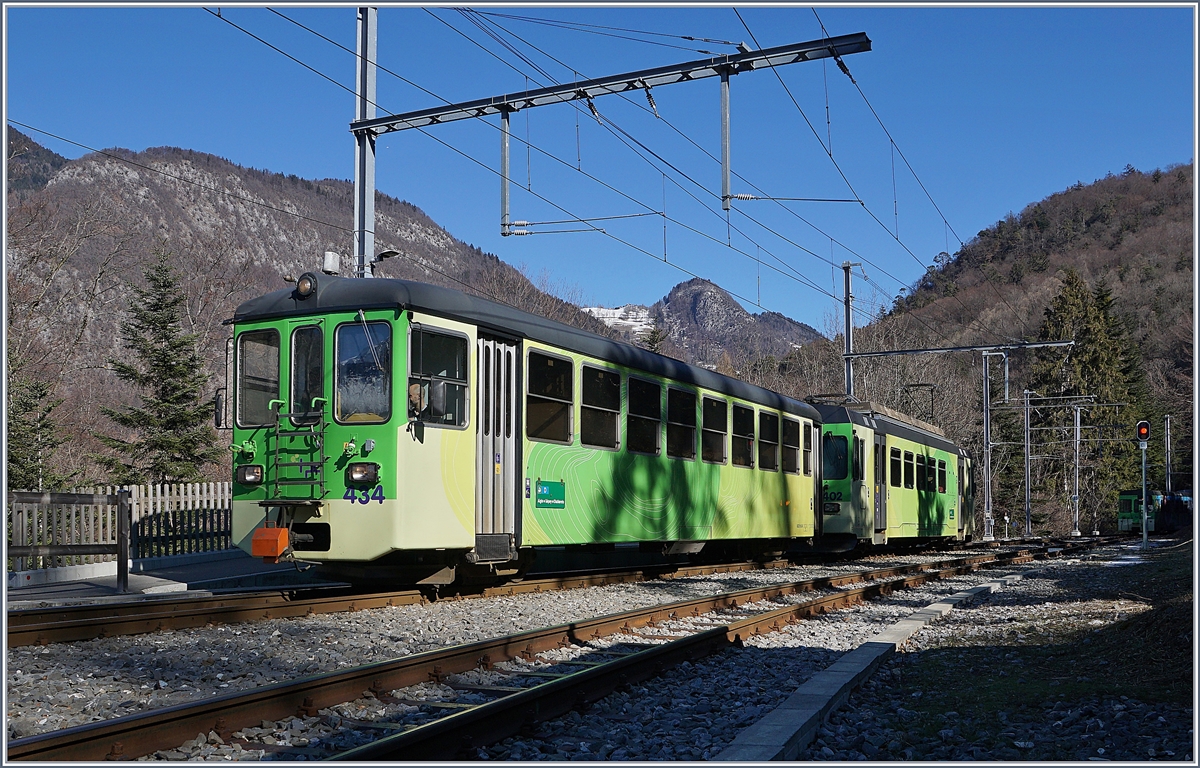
[705, 325]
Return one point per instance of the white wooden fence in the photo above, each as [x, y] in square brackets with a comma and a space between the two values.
[166, 520]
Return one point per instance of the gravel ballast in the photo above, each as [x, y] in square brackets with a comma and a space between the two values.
[690, 713]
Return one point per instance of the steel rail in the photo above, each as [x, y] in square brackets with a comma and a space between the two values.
[140, 734]
[69, 623]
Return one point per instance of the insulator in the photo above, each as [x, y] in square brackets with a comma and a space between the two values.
[650, 98]
[520, 224]
[595, 112]
[520, 232]
[744, 196]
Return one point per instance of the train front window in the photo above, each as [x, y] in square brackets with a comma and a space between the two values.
[308, 381]
[835, 454]
[548, 398]
[363, 390]
[437, 378]
[257, 377]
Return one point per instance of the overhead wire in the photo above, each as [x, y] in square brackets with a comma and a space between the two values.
[626, 138]
[489, 168]
[836, 165]
[913, 171]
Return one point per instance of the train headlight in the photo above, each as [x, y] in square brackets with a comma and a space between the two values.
[362, 473]
[306, 285]
[832, 508]
[250, 474]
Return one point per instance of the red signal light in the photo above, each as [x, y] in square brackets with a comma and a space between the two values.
[1143, 430]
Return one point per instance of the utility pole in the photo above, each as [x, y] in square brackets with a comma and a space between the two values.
[849, 301]
[726, 185]
[988, 520]
[1028, 504]
[364, 144]
[1167, 438]
[1075, 496]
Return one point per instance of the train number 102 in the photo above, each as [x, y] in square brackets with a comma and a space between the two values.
[365, 496]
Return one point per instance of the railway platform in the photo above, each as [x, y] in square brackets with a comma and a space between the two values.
[196, 574]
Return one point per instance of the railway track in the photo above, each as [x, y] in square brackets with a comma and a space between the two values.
[554, 690]
[61, 624]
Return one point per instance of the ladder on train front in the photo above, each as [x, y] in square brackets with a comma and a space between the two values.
[296, 474]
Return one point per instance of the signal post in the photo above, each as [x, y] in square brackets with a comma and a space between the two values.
[1143, 436]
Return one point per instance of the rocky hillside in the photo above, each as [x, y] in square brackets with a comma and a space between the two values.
[705, 325]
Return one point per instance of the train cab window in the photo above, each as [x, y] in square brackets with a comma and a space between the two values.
[642, 424]
[308, 381]
[601, 408]
[743, 436]
[768, 441]
[909, 469]
[549, 395]
[834, 449]
[894, 470]
[363, 390]
[257, 377]
[941, 476]
[437, 365]
[808, 449]
[791, 446]
[716, 424]
[681, 424]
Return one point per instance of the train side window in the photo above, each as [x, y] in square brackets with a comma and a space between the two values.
[308, 380]
[931, 474]
[808, 449]
[941, 476]
[601, 408]
[768, 441]
[257, 377]
[908, 469]
[791, 446]
[894, 470]
[716, 424]
[857, 460]
[548, 398]
[922, 477]
[743, 436]
[681, 424]
[438, 361]
[645, 415]
[363, 387]
[834, 448]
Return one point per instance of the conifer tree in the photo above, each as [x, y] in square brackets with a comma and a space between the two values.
[33, 437]
[172, 439]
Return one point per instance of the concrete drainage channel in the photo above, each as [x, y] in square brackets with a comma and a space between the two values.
[784, 732]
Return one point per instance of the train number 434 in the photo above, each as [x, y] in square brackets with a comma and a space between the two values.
[365, 496]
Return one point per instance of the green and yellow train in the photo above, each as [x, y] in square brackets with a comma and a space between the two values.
[388, 429]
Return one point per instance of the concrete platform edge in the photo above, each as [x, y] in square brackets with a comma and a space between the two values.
[785, 731]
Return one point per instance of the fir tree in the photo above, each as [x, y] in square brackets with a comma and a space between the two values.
[172, 438]
[653, 339]
[33, 437]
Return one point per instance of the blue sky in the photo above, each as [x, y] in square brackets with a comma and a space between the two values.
[994, 108]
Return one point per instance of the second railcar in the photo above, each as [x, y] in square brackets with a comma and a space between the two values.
[888, 478]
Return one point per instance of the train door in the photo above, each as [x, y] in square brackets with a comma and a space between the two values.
[497, 463]
[880, 482]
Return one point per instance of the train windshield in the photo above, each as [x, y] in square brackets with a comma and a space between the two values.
[834, 449]
[364, 373]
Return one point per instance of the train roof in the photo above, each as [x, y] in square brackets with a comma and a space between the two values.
[340, 294]
[888, 422]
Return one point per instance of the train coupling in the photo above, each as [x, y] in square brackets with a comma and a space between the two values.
[269, 542]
